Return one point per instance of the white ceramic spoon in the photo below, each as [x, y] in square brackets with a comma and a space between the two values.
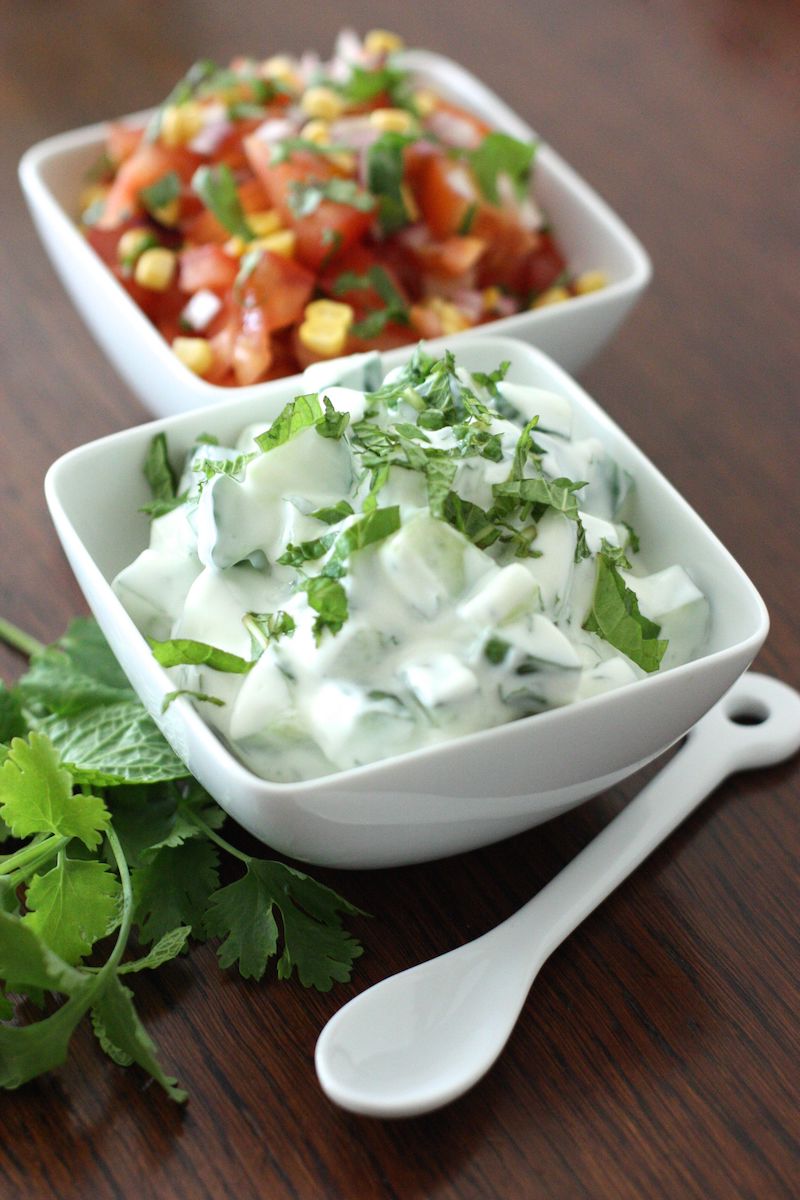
[421, 1038]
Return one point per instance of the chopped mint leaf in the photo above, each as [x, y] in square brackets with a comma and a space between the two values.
[158, 471]
[268, 627]
[332, 514]
[201, 697]
[329, 600]
[615, 617]
[298, 415]
[179, 652]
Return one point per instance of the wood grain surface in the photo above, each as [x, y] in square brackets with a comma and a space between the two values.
[658, 1054]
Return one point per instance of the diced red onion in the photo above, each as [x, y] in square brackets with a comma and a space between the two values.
[201, 309]
[454, 130]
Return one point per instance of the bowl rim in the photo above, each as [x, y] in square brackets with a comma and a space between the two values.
[38, 157]
[181, 710]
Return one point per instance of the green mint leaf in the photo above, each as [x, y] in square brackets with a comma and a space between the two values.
[548, 493]
[615, 617]
[216, 187]
[201, 697]
[305, 195]
[36, 795]
[173, 889]
[72, 906]
[158, 471]
[164, 950]
[54, 683]
[117, 743]
[113, 1013]
[299, 414]
[471, 520]
[500, 154]
[265, 628]
[334, 513]
[329, 600]
[179, 652]
[161, 193]
[333, 423]
[314, 941]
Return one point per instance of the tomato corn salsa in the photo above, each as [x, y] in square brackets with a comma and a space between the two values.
[274, 213]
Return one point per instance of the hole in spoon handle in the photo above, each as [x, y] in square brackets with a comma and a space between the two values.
[715, 748]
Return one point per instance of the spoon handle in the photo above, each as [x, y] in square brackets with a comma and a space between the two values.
[756, 723]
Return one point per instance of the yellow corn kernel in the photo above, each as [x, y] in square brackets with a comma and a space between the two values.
[195, 353]
[322, 102]
[590, 281]
[280, 68]
[324, 311]
[381, 41]
[391, 120]
[491, 297]
[265, 222]
[452, 318]
[94, 193]
[327, 339]
[155, 268]
[132, 244]
[553, 295]
[409, 203]
[316, 131]
[424, 101]
[169, 214]
[180, 123]
[235, 246]
[283, 241]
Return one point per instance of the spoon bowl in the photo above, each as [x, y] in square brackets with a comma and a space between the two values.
[419, 1039]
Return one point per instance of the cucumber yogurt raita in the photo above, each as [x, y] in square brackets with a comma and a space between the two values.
[393, 563]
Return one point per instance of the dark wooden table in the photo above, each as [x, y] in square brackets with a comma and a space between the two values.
[657, 1056]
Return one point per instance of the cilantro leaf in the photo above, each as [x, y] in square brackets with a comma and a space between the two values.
[615, 617]
[27, 962]
[30, 1050]
[305, 195]
[72, 906]
[364, 85]
[161, 193]
[36, 795]
[500, 154]
[12, 722]
[216, 187]
[385, 173]
[173, 888]
[314, 941]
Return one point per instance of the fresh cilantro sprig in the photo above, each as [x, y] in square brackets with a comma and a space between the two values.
[113, 864]
[216, 187]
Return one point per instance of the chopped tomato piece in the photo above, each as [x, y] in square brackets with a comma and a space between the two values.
[207, 267]
[446, 195]
[279, 287]
[149, 163]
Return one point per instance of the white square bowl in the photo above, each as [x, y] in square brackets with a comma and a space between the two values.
[591, 234]
[460, 794]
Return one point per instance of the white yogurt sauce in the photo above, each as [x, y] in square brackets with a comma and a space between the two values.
[442, 636]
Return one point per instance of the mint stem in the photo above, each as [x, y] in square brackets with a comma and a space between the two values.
[18, 639]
